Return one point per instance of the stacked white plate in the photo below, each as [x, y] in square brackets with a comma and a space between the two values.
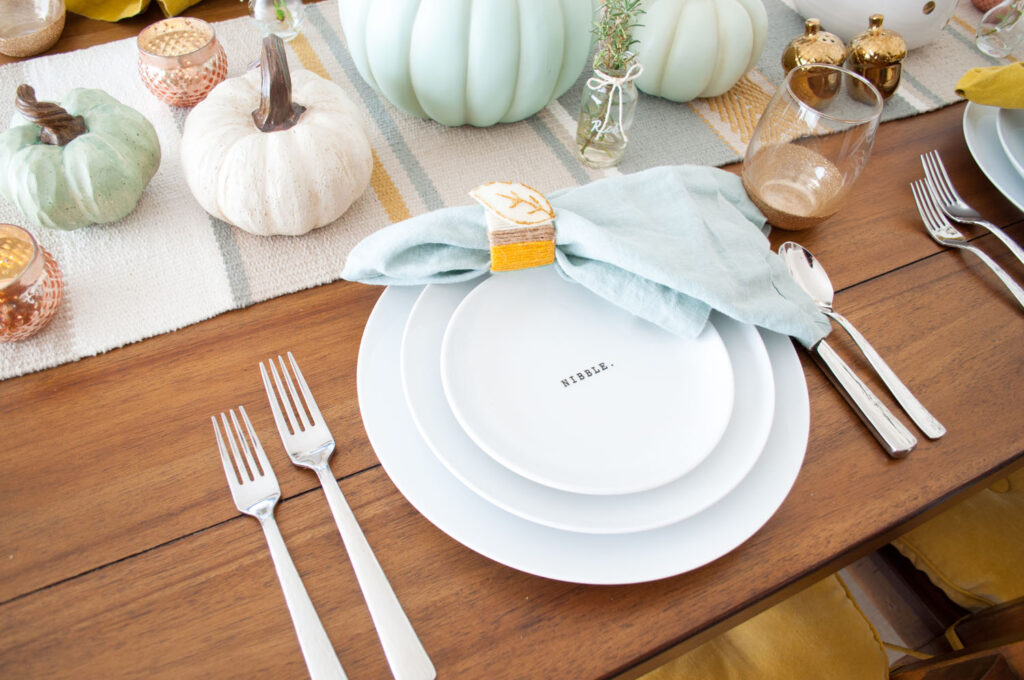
[995, 137]
[553, 432]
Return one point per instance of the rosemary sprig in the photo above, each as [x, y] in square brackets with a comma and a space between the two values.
[614, 33]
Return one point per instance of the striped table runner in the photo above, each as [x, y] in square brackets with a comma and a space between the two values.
[169, 264]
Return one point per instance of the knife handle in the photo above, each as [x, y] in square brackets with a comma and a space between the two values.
[893, 435]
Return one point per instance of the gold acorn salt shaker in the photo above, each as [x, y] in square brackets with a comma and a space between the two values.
[877, 54]
[815, 46]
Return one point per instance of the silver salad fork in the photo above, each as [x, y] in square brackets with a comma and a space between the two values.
[256, 492]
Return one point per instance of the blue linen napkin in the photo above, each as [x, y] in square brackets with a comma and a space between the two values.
[667, 244]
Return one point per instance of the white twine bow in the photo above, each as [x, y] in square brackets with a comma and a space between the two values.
[601, 79]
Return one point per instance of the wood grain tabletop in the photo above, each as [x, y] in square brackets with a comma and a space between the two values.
[123, 556]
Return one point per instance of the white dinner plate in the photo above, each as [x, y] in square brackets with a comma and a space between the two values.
[568, 556]
[983, 142]
[1010, 128]
[572, 392]
[719, 473]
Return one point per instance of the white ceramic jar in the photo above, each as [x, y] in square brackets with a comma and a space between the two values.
[918, 21]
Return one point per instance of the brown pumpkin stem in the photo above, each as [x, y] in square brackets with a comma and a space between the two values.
[58, 126]
[276, 111]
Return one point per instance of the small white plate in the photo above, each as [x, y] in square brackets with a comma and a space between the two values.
[718, 474]
[564, 555]
[572, 392]
[1010, 128]
[983, 142]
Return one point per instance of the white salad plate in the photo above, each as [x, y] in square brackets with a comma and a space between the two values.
[552, 553]
[719, 473]
[572, 392]
[982, 139]
[1010, 128]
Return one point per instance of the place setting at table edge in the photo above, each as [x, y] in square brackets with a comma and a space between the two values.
[596, 383]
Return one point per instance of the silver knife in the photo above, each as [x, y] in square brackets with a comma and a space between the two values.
[893, 435]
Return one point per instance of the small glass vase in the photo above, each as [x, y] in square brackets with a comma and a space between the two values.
[1001, 29]
[282, 18]
[606, 114]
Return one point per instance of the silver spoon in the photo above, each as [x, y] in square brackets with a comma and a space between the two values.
[810, 275]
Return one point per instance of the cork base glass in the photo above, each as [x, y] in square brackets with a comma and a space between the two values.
[811, 144]
[31, 284]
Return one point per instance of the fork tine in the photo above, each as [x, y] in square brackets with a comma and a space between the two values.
[275, 404]
[282, 396]
[941, 221]
[314, 410]
[254, 472]
[924, 206]
[243, 473]
[935, 171]
[293, 394]
[256, 446]
[229, 468]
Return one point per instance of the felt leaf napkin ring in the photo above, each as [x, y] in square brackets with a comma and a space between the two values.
[520, 225]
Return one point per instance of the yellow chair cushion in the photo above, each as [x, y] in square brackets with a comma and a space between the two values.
[974, 551]
[107, 10]
[817, 633]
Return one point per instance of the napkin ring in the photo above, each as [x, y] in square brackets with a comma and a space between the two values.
[520, 225]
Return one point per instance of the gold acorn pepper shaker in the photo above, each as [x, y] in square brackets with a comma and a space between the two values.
[815, 46]
[877, 54]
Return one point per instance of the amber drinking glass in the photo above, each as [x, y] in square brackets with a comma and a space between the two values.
[810, 145]
[180, 60]
[31, 284]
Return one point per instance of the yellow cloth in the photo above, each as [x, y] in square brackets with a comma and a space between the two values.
[818, 633]
[975, 550]
[107, 10]
[172, 8]
[115, 10]
[1001, 86]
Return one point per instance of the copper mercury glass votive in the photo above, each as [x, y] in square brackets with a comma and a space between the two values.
[31, 284]
[180, 60]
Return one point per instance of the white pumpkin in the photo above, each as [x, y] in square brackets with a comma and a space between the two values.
[698, 48]
[287, 181]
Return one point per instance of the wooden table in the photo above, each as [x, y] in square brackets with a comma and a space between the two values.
[122, 555]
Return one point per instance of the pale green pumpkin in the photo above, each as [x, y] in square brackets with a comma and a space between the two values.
[96, 177]
[476, 62]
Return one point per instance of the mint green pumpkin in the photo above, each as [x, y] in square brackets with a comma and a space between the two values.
[479, 62]
[95, 177]
[698, 48]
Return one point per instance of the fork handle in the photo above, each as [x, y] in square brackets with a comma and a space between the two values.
[1005, 238]
[1015, 289]
[404, 651]
[317, 650]
[932, 428]
[893, 435]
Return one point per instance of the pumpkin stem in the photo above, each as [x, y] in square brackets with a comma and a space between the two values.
[276, 111]
[58, 126]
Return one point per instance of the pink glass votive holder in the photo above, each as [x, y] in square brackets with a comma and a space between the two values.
[180, 60]
[31, 284]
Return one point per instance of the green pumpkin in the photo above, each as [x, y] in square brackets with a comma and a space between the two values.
[94, 177]
[460, 61]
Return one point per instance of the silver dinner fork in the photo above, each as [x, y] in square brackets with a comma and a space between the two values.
[309, 444]
[945, 234]
[955, 207]
[256, 492]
